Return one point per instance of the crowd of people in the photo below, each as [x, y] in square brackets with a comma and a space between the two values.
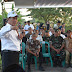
[59, 40]
[12, 36]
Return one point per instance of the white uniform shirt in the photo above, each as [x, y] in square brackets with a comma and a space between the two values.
[50, 33]
[63, 36]
[9, 40]
[27, 26]
[39, 37]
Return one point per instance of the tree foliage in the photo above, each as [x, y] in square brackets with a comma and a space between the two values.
[5, 16]
[51, 14]
[20, 16]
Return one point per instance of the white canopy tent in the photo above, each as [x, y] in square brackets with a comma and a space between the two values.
[24, 3]
[53, 3]
[42, 3]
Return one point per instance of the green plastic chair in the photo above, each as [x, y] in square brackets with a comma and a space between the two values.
[63, 62]
[44, 51]
[22, 56]
[35, 59]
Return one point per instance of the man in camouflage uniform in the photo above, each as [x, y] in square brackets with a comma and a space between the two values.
[57, 47]
[33, 49]
[46, 38]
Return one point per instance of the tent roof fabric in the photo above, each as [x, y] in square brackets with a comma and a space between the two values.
[24, 3]
[42, 3]
[55, 3]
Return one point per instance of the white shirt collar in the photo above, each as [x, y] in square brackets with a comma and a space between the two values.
[8, 24]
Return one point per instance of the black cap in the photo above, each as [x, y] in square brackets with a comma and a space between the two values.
[28, 21]
[59, 22]
[24, 22]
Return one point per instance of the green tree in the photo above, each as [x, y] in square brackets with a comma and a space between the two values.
[51, 14]
[66, 13]
[0, 0]
[20, 16]
[2, 17]
[45, 14]
[1, 21]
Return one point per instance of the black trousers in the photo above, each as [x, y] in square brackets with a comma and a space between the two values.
[29, 55]
[9, 58]
[58, 59]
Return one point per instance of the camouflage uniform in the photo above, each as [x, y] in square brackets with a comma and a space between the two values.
[57, 43]
[33, 45]
[27, 35]
[47, 39]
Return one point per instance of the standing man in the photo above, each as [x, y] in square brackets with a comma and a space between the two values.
[56, 26]
[27, 26]
[10, 41]
[48, 25]
[62, 26]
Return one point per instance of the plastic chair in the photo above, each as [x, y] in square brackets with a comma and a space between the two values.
[35, 59]
[63, 62]
[44, 51]
[22, 56]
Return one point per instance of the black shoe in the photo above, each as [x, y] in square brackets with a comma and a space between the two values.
[67, 65]
[29, 70]
[41, 69]
[55, 65]
[60, 65]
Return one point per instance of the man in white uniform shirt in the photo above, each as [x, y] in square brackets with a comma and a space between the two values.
[27, 26]
[39, 37]
[10, 41]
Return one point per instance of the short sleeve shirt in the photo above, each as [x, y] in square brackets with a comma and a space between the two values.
[57, 41]
[47, 39]
[33, 45]
[27, 26]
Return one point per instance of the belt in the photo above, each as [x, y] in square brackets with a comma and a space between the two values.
[9, 51]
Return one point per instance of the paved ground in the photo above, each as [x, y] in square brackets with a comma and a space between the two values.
[49, 69]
